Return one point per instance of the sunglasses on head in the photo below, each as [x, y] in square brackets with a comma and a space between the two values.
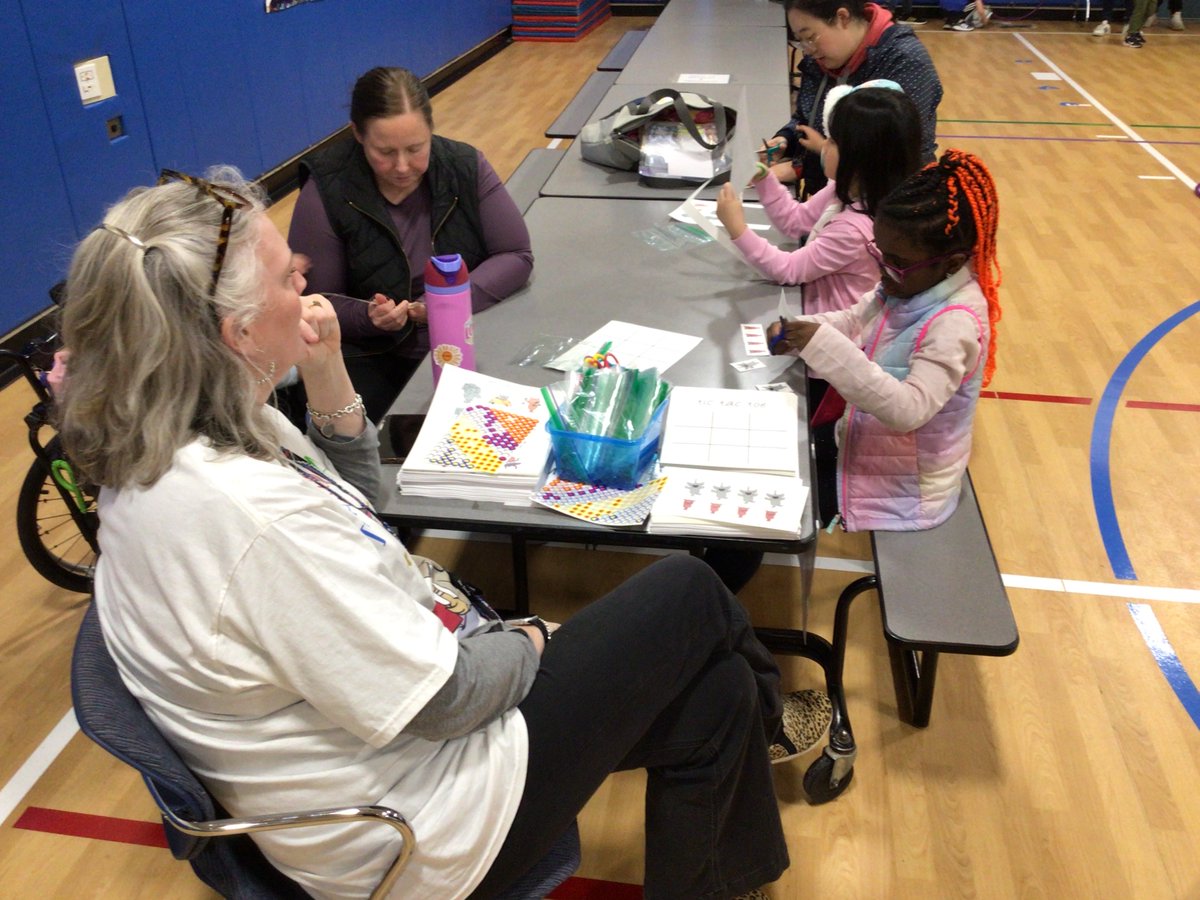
[229, 200]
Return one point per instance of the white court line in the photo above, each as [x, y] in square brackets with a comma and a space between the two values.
[553, 145]
[1103, 110]
[1156, 177]
[39, 761]
[27, 776]
[860, 566]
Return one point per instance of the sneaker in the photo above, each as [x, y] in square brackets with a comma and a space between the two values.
[1135, 40]
[981, 21]
[917, 20]
[947, 25]
[806, 718]
[1102, 29]
[964, 25]
[1177, 21]
[756, 894]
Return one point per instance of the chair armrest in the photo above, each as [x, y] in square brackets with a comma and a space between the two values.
[273, 822]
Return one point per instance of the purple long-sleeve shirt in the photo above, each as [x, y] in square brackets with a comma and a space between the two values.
[506, 269]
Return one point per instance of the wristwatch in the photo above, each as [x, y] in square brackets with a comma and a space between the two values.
[536, 622]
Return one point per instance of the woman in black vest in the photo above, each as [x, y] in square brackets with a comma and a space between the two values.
[376, 205]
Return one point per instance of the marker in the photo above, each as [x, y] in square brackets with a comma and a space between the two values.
[780, 337]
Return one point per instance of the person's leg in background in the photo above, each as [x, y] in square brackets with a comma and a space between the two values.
[379, 378]
[1141, 12]
[664, 673]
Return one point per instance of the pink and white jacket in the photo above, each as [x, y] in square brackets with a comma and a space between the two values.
[833, 265]
[910, 372]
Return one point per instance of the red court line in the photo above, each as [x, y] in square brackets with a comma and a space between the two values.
[1037, 398]
[150, 834]
[100, 828]
[1152, 404]
[593, 889]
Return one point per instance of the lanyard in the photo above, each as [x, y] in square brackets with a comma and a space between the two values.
[309, 470]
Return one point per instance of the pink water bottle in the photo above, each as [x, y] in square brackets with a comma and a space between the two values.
[448, 300]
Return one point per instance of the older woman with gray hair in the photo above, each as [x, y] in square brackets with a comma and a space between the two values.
[284, 642]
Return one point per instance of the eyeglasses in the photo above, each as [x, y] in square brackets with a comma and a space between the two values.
[898, 274]
[229, 199]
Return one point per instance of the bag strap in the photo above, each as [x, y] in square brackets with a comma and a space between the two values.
[684, 112]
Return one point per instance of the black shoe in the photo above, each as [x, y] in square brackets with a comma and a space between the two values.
[1135, 40]
[911, 20]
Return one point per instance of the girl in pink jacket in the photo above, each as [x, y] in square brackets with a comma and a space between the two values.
[910, 357]
[874, 144]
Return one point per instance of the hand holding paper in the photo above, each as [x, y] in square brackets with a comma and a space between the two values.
[730, 211]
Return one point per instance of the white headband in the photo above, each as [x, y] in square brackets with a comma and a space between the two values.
[838, 91]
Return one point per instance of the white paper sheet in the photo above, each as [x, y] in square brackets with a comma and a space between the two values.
[634, 346]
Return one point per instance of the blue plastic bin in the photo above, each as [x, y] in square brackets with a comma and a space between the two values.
[592, 459]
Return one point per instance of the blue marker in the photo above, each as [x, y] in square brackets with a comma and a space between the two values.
[780, 337]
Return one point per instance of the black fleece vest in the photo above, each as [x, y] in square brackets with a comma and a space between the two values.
[375, 261]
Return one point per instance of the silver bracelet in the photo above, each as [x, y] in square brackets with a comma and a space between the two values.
[348, 410]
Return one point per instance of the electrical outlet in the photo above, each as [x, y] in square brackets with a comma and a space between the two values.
[94, 79]
[88, 79]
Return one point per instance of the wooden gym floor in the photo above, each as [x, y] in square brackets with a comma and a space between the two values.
[1067, 770]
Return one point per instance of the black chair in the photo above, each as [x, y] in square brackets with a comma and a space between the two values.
[234, 867]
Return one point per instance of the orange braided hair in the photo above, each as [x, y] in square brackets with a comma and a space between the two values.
[931, 206]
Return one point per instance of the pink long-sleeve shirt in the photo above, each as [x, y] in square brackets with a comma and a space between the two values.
[951, 348]
[833, 265]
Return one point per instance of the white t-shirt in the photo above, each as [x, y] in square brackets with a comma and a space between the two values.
[281, 639]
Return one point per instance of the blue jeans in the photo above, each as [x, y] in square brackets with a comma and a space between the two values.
[663, 674]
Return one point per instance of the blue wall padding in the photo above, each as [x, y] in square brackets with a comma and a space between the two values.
[197, 84]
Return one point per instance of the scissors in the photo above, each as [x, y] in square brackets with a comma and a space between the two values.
[64, 477]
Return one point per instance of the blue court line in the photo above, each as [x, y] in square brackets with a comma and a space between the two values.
[1168, 661]
[1106, 409]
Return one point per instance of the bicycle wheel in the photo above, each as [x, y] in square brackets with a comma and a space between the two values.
[50, 534]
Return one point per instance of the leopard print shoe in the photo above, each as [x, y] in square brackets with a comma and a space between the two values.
[806, 717]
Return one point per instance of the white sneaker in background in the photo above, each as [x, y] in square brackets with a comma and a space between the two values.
[1177, 21]
[1102, 29]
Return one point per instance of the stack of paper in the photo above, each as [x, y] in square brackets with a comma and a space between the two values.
[729, 503]
[483, 439]
[732, 463]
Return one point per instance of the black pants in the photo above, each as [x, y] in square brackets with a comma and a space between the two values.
[379, 377]
[666, 674]
[825, 453]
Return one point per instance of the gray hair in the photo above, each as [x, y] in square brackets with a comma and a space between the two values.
[149, 372]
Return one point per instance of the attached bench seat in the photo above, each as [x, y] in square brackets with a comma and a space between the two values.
[579, 111]
[525, 183]
[940, 591]
[619, 56]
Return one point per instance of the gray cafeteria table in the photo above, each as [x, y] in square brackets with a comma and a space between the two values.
[761, 110]
[720, 13]
[594, 265]
[748, 54]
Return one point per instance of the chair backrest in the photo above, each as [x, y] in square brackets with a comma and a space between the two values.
[112, 717]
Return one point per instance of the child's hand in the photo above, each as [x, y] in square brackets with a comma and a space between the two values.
[730, 211]
[810, 139]
[795, 338]
[771, 150]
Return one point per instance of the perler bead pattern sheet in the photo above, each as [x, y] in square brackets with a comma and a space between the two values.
[483, 439]
[599, 504]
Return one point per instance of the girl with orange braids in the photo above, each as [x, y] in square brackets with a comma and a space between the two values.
[909, 358]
